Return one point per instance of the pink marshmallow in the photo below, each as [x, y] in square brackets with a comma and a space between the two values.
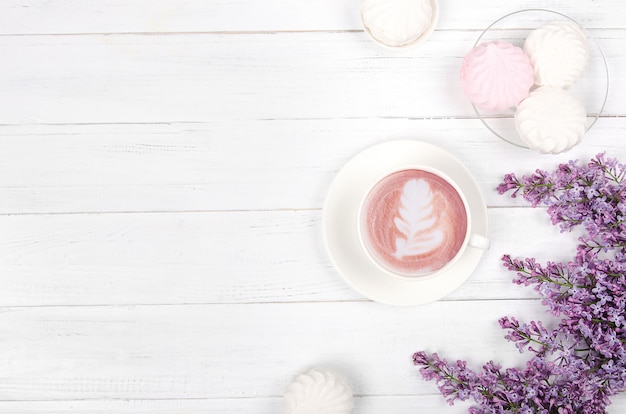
[496, 75]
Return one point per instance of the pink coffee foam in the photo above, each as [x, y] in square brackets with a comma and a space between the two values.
[413, 222]
[496, 75]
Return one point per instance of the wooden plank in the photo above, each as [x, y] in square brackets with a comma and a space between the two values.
[426, 404]
[237, 257]
[208, 77]
[240, 351]
[216, 166]
[216, 128]
[149, 16]
[267, 405]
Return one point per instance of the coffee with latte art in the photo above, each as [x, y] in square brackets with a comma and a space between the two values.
[413, 222]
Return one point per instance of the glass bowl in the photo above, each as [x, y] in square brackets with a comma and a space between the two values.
[592, 89]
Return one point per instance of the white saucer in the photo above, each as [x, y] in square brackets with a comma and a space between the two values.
[340, 223]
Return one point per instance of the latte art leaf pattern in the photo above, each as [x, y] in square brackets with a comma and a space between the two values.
[416, 220]
[413, 222]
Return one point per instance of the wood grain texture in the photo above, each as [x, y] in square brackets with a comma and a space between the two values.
[230, 257]
[208, 77]
[79, 359]
[163, 168]
[241, 351]
[148, 16]
[269, 405]
[216, 166]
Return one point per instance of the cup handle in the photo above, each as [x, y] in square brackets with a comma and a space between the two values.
[478, 241]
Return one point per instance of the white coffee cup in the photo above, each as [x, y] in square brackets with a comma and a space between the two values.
[415, 222]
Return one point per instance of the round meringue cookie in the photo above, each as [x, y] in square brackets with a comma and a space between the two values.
[559, 53]
[551, 120]
[399, 23]
[496, 75]
[318, 391]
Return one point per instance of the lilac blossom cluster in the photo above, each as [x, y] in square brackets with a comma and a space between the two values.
[578, 364]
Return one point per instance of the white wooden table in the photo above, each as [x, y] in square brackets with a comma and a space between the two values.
[163, 166]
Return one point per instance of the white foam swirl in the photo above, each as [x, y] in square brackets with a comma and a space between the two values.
[416, 220]
[318, 391]
[396, 23]
[551, 120]
[559, 52]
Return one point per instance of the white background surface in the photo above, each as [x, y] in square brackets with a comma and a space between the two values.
[163, 165]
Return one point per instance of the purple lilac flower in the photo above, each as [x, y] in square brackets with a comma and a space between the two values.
[579, 364]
